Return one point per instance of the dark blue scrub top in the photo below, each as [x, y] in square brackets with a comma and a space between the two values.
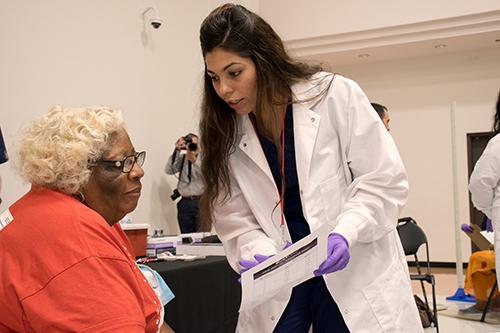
[297, 224]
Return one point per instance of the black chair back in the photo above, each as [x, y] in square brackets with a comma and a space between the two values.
[412, 236]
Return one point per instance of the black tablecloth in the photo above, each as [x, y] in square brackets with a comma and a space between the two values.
[207, 295]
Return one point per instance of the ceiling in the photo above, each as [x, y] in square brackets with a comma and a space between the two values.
[459, 34]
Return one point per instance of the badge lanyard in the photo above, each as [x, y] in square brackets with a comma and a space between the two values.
[282, 199]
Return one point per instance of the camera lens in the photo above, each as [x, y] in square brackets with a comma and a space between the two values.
[189, 143]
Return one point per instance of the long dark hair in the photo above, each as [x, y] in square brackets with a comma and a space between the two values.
[235, 29]
[496, 121]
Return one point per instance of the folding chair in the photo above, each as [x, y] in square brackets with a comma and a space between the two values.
[412, 237]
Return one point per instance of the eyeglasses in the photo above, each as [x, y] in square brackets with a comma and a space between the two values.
[128, 162]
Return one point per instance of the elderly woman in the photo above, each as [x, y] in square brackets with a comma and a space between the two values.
[66, 263]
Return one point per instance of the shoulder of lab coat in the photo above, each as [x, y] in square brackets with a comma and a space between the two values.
[377, 186]
[486, 176]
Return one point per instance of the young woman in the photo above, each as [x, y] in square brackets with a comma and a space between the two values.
[277, 132]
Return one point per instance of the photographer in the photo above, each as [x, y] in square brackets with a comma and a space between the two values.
[190, 185]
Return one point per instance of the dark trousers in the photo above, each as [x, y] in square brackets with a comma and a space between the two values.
[311, 303]
[188, 215]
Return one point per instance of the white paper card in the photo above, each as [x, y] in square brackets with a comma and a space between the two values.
[5, 219]
[285, 270]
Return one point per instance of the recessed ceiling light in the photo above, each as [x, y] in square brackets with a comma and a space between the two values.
[364, 55]
[440, 46]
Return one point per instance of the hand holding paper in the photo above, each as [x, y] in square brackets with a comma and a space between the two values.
[285, 270]
[250, 263]
[337, 256]
[259, 257]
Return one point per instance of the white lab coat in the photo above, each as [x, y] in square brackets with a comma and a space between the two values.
[484, 189]
[351, 177]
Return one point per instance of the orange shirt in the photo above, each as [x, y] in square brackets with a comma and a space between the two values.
[63, 268]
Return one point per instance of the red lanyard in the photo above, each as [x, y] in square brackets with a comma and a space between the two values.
[282, 199]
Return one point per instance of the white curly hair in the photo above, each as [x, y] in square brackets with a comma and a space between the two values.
[57, 150]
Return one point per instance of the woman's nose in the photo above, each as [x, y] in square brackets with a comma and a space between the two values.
[136, 172]
[225, 87]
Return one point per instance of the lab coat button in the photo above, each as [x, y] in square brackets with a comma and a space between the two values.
[244, 145]
[272, 318]
[301, 192]
[346, 311]
[312, 120]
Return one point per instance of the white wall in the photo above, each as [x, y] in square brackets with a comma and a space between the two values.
[295, 19]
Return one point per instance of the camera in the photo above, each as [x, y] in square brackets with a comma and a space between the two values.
[156, 22]
[175, 195]
[189, 143]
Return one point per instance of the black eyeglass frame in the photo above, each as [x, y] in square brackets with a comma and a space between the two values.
[121, 164]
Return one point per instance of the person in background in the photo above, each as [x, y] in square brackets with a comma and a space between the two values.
[481, 277]
[190, 185]
[383, 114]
[66, 263]
[3, 158]
[484, 181]
[262, 113]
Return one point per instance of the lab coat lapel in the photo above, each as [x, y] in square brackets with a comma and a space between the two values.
[305, 126]
[253, 148]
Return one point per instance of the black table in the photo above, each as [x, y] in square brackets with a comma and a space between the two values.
[207, 295]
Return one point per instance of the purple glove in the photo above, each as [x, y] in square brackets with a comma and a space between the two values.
[259, 257]
[250, 263]
[466, 228]
[338, 255]
[489, 227]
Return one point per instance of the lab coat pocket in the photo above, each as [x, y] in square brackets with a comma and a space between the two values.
[384, 297]
[331, 198]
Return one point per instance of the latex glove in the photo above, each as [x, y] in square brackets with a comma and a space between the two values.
[466, 228]
[338, 255]
[250, 263]
[260, 259]
[489, 227]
